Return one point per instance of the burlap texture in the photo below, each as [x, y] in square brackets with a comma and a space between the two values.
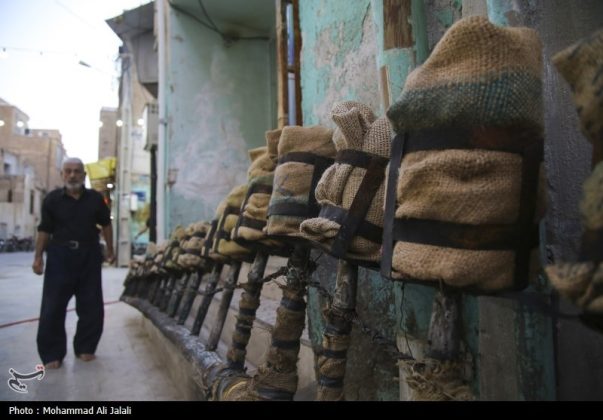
[333, 367]
[159, 258]
[226, 247]
[261, 172]
[358, 129]
[435, 380]
[257, 204]
[191, 245]
[151, 250]
[269, 378]
[188, 231]
[292, 180]
[189, 262]
[249, 302]
[207, 247]
[324, 393]
[582, 282]
[263, 159]
[582, 66]
[460, 186]
[594, 298]
[591, 205]
[479, 75]
[460, 268]
[195, 243]
[191, 258]
[257, 208]
[289, 326]
[162, 246]
[173, 250]
[178, 233]
[258, 162]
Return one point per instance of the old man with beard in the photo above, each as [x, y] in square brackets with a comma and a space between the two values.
[69, 233]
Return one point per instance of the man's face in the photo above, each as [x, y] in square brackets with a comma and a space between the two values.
[73, 175]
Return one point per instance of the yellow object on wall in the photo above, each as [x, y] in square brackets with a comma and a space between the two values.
[104, 168]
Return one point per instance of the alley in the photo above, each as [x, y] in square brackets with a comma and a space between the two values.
[125, 369]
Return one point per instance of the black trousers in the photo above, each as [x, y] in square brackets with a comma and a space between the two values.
[71, 272]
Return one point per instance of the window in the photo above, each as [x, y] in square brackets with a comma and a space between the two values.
[31, 201]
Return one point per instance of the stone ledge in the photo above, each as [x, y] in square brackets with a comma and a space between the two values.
[188, 361]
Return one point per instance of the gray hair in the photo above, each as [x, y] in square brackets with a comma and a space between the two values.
[73, 160]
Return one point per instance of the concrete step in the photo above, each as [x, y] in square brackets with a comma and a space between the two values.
[259, 343]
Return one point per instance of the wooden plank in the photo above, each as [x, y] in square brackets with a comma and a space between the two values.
[384, 81]
[397, 30]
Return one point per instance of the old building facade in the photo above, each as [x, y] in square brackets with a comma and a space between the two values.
[31, 160]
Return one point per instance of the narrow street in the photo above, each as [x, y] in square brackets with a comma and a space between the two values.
[125, 369]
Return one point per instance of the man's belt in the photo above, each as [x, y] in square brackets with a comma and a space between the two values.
[72, 244]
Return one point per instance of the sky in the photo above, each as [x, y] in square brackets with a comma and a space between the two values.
[59, 65]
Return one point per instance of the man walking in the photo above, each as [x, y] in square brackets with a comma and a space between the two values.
[70, 235]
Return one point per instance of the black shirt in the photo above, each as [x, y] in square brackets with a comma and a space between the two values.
[68, 219]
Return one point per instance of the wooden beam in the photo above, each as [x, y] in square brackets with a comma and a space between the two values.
[397, 30]
[385, 93]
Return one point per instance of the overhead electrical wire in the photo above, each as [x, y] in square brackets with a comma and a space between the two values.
[37, 51]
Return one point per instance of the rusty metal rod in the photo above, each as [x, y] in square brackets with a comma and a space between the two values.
[277, 378]
[140, 286]
[130, 285]
[176, 297]
[148, 287]
[248, 305]
[440, 374]
[444, 334]
[229, 286]
[167, 293]
[160, 289]
[154, 289]
[336, 337]
[189, 296]
[207, 298]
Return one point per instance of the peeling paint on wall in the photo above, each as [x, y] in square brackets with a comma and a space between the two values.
[399, 62]
[337, 57]
[507, 343]
[441, 14]
[535, 356]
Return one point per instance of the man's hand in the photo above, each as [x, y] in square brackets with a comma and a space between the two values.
[38, 265]
[110, 257]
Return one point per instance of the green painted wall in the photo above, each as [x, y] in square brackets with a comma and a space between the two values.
[337, 58]
[220, 101]
[341, 56]
[336, 37]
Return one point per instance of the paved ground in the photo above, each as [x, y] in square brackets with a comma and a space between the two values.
[124, 370]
